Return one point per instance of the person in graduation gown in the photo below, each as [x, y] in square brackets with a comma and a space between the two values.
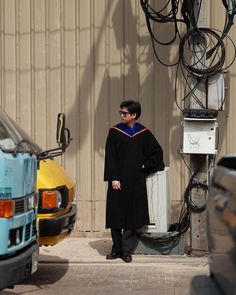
[132, 152]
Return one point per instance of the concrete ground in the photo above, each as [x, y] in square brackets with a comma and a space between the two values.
[78, 266]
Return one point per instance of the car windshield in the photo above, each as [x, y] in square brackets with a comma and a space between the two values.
[13, 138]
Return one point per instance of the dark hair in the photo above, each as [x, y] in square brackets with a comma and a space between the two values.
[132, 106]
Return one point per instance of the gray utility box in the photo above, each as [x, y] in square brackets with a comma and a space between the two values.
[154, 238]
[158, 202]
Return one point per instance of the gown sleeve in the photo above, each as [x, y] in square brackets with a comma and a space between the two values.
[111, 169]
[153, 154]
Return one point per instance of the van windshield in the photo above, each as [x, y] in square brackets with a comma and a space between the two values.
[13, 138]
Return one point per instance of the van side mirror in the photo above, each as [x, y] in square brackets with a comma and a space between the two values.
[63, 134]
[63, 140]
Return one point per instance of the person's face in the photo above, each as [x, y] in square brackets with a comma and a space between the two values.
[126, 117]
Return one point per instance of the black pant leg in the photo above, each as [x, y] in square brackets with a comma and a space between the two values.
[128, 240]
[116, 239]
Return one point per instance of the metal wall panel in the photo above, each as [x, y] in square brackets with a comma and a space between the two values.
[226, 119]
[82, 57]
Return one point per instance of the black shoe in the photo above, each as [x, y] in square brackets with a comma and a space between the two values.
[126, 257]
[113, 255]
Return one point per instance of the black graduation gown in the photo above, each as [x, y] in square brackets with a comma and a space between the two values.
[127, 150]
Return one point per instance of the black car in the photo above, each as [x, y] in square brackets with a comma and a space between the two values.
[222, 224]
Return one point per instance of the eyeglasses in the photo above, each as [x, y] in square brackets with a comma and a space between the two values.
[124, 114]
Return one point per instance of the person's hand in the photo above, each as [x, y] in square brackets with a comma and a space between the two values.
[116, 184]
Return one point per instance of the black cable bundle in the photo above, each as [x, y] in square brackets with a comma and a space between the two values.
[177, 230]
[209, 60]
[207, 33]
[197, 35]
[188, 15]
[193, 184]
[159, 17]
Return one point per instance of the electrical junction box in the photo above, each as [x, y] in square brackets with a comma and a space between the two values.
[158, 202]
[213, 98]
[199, 136]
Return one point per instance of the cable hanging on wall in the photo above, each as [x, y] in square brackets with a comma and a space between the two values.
[209, 59]
[203, 38]
[201, 56]
[162, 16]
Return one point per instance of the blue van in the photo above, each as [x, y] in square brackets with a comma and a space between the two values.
[19, 249]
[18, 206]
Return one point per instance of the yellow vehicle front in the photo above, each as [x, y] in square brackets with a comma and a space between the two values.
[56, 213]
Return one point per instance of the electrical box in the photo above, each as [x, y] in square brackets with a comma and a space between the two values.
[213, 98]
[158, 202]
[199, 136]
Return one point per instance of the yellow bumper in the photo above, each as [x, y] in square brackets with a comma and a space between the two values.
[54, 227]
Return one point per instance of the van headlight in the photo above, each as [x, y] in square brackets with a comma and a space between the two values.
[32, 202]
[6, 208]
[53, 200]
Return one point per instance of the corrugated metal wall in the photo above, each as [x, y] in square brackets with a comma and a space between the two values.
[82, 57]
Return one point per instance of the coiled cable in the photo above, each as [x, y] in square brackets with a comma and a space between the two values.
[199, 68]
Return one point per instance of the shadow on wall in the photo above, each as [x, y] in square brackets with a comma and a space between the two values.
[114, 89]
[125, 79]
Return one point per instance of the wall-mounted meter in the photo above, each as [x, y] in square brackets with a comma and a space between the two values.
[199, 136]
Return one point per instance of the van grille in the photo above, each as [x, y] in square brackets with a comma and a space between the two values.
[16, 235]
[20, 206]
[27, 232]
[34, 230]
